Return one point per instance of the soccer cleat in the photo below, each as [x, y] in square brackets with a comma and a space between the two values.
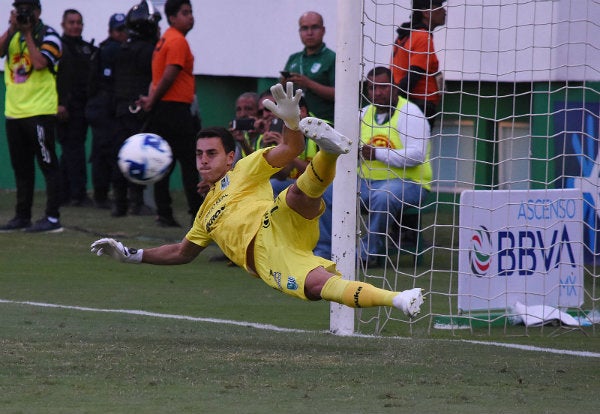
[409, 301]
[15, 224]
[44, 226]
[327, 138]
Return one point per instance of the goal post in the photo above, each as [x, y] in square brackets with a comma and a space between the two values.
[343, 231]
[517, 141]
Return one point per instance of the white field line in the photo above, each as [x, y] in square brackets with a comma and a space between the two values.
[157, 315]
[274, 328]
[537, 348]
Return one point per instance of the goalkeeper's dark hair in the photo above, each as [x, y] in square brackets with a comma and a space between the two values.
[219, 132]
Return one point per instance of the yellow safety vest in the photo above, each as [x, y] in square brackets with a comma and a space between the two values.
[387, 136]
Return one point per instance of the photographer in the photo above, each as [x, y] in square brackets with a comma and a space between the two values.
[32, 51]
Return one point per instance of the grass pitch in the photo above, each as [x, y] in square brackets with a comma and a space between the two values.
[70, 360]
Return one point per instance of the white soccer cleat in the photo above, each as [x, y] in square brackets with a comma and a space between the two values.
[409, 301]
[327, 138]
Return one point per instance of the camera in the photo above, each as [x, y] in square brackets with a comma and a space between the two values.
[276, 125]
[243, 124]
[24, 15]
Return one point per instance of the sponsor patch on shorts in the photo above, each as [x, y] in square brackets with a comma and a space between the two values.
[291, 283]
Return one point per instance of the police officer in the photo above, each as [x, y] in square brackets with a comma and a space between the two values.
[100, 111]
[133, 75]
[71, 82]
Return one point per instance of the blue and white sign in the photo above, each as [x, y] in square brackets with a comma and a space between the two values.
[520, 246]
[577, 129]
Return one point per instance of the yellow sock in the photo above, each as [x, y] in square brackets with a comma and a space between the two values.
[356, 294]
[318, 175]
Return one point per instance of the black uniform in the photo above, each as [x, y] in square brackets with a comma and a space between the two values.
[71, 82]
[100, 113]
[133, 75]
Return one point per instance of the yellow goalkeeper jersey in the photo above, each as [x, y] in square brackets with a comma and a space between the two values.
[233, 209]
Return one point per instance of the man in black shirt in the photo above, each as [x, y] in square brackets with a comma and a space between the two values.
[71, 82]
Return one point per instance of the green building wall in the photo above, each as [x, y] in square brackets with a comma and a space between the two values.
[216, 97]
[486, 104]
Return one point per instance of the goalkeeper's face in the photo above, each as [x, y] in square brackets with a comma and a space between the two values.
[212, 162]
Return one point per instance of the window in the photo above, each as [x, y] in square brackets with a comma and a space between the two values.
[453, 156]
[514, 147]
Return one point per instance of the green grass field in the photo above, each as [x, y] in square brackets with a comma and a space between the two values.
[78, 358]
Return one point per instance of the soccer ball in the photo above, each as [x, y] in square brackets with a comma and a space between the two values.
[144, 158]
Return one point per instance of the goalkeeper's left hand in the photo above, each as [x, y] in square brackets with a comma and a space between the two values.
[287, 107]
[117, 251]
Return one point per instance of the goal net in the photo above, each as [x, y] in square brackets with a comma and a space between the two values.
[507, 236]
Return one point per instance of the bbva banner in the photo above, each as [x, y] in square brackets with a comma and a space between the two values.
[520, 246]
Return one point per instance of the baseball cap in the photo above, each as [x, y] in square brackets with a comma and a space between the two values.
[116, 21]
[427, 4]
[34, 3]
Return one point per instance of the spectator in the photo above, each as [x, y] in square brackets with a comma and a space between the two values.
[246, 107]
[414, 62]
[71, 82]
[313, 69]
[133, 74]
[169, 101]
[395, 170]
[31, 50]
[100, 112]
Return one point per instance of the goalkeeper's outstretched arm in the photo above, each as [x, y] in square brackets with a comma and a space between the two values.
[167, 254]
[172, 254]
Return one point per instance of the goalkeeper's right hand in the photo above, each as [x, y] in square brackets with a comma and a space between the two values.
[287, 107]
[117, 251]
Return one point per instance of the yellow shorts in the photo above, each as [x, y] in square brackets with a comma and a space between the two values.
[283, 248]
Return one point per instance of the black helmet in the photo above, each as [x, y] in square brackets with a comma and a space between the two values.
[142, 20]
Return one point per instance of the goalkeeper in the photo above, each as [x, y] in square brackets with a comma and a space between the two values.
[271, 239]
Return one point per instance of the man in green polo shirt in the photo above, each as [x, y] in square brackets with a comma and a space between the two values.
[313, 69]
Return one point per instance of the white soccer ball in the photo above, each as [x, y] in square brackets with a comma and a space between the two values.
[145, 158]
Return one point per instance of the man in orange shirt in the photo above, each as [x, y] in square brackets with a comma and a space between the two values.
[414, 63]
[170, 98]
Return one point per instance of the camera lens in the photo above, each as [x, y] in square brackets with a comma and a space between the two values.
[24, 15]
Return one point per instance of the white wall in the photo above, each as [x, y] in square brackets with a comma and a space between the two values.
[483, 40]
[230, 37]
[500, 40]
[522, 40]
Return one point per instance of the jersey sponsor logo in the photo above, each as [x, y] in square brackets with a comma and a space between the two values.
[315, 67]
[277, 278]
[221, 198]
[291, 283]
[267, 217]
[214, 217]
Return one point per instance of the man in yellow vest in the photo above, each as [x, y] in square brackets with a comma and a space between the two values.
[32, 51]
[394, 171]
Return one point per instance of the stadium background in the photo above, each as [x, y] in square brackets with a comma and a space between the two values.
[513, 91]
